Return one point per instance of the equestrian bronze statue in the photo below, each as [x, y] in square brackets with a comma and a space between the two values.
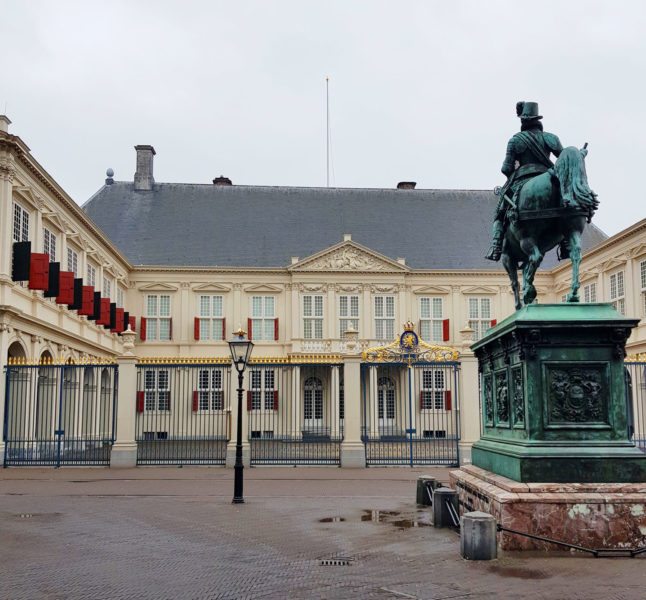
[542, 204]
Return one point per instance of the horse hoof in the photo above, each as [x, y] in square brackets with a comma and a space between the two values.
[573, 298]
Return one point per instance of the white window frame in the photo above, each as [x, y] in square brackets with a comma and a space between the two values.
[91, 275]
[262, 384]
[431, 318]
[210, 315]
[590, 292]
[156, 390]
[210, 390]
[313, 315]
[20, 223]
[158, 317]
[384, 317]
[348, 313]
[107, 285]
[73, 261]
[119, 297]
[433, 389]
[618, 291]
[479, 314]
[49, 244]
[262, 312]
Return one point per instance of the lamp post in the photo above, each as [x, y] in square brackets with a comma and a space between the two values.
[240, 348]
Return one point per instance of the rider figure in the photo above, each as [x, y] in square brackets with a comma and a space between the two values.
[528, 155]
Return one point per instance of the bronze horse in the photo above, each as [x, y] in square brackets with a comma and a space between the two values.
[552, 207]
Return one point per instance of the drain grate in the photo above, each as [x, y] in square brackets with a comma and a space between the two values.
[337, 561]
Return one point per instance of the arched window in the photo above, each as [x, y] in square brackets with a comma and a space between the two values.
[313, 402]
[386, 401]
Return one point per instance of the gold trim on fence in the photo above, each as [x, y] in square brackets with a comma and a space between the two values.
[254, 360]
[48, 361]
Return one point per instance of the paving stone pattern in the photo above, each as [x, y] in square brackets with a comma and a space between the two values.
[173, 533]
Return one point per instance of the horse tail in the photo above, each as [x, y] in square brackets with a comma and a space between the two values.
[570, 171]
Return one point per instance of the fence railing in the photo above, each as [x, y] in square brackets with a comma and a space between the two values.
[636, 399]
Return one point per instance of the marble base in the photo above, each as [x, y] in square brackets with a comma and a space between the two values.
[123, 455]
[592, 515]
[353, 455]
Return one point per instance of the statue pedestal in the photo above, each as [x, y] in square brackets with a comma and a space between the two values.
[553, 397]
[591, 515]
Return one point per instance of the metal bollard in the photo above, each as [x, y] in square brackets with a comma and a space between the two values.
[445, 507]
[478, 536]
[425, 485]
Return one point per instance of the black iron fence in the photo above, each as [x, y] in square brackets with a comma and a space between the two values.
[295, 411]
[59, 414]
[410, 413]
[183, 412]
[636, 399]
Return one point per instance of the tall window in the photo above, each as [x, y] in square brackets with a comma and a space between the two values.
[158, 317]
[432, 389]
[20, 224]
[156, 389]
[106, 287]
[617, 292]
[119, 297]
[211, 318]
[313, 317]
[263, 313]
[480, 316]
[430, 317]
[73, 262]
[210, 391]
[348, 314]
[384, 317]
[642, 269]
[263, 389]
[91, 275]
[49, 244]
[590, 292]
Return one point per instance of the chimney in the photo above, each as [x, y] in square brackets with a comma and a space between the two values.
[222, 180]
[406, 185]
[4, 123]
[144, 174]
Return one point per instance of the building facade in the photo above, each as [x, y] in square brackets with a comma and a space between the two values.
[317, 277]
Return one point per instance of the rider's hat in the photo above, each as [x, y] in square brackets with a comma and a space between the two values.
[527, 110]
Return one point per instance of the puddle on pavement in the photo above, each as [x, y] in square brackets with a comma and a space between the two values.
[391, 517]
[517, 572]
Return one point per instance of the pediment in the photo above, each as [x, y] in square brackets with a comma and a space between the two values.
[263, 288]
[211, 287]
[613, 263]
[157, 287]
[348, 256]
[432, 290]
[638, 250]
[479, 289]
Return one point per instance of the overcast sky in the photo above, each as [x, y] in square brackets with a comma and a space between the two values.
[419, 91]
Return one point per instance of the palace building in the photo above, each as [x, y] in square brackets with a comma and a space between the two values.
[323, 280]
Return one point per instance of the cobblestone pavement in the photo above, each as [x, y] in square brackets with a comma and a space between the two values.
[167, 533]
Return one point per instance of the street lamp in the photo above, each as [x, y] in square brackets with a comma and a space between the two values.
[240, 348]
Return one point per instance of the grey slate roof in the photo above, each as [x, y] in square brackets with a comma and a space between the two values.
[256, 226]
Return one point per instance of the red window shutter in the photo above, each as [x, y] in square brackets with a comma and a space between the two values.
[419, 328]
[87, 306]
[104, 319]
[447, 400]
[65, 288]
[140, 402]
[248, 400]
[142, 329]
[196, 329]
[132, 321]
[421, 400]
[39, 272]
[196, 396]
[275, 399]
[170, 332]
[118, 326]
[224, 329]
[494, 322]
[445, 330]
[276, 328]
[248, 329]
